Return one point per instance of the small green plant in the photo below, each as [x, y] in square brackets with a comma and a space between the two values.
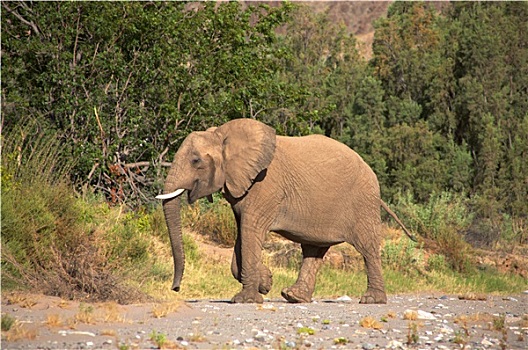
[326, 321]
[305, 330]
[7, 322]
[159, 339]
[460, 337]
[499, 322]
[341, 341]
[412, 333]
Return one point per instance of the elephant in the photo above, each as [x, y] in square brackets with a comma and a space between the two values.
[312, 190]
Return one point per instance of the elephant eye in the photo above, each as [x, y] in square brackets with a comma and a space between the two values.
[196, 161]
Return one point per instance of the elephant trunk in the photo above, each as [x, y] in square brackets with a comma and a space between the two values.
[171, 209]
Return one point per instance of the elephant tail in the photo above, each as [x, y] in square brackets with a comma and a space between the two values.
[395, 217]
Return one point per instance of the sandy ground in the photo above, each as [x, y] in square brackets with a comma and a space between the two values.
[406, 321]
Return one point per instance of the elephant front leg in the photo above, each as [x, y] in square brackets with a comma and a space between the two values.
[266, 277]
[247, 266]
[302, 290]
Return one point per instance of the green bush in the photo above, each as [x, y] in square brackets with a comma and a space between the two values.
[7, 322]
[444, 219]
[401, 255]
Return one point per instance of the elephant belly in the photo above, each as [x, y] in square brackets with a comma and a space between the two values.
[312, 239]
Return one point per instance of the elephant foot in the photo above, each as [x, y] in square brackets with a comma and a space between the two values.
[247, 296]
[264, 288]
[266, 282]
[295, 295]
[374, 296]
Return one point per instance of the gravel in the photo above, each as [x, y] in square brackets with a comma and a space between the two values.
[405, 322]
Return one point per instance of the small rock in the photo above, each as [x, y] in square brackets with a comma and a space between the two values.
[486, 342]
[236, 342]
[344, 298]
[184, 343]
[290, 344]
[510, 299]
[248, 340]
[108, 342]
[424, 315]
[268, 307]
[368, 346]
[89, 343]
[260, 336]
[446, 330]
[394, 344]
[68, 332]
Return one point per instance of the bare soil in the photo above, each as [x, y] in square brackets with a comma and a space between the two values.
[425, 321]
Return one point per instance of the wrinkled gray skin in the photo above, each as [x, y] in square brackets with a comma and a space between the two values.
[312, 190]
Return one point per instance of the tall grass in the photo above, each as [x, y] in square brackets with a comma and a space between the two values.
[49, 243]
[212, 220]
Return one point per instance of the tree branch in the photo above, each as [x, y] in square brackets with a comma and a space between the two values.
[22, 19]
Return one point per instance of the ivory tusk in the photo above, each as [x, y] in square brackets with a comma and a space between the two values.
[171, 195]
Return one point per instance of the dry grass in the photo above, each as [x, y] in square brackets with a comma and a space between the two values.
[21, 299]
[85, 315]
[370, 322]
[197, 337]
[110, 312]
[162, 310]
[474, 318]
[54, 320]
[391, 314]
[20, 332]
[473, 296]
[108, 332]
[63, 304]
[410, 315]
[524, 321]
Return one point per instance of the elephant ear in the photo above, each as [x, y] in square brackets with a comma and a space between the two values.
[248, 148]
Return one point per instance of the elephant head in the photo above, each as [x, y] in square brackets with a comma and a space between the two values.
[226, 158]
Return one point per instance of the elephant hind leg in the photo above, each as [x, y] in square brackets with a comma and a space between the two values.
[302, 290]
[368, 244]
[375, 293]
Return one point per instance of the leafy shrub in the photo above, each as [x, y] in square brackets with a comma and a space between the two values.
[444, 219]
[437, 262]
[7, 322]
[400, 255]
